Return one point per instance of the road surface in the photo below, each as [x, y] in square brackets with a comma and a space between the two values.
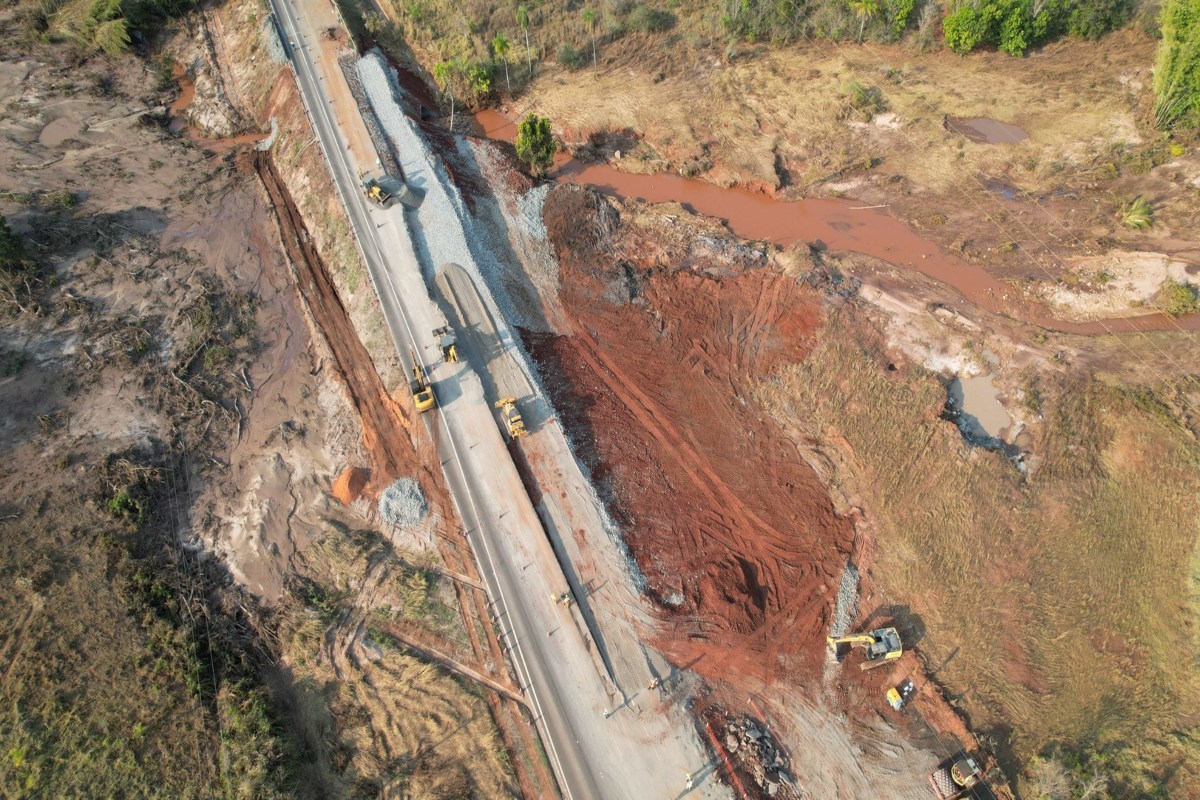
[634, 752]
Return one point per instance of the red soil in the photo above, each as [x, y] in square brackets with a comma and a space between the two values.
[737, 537]
[350, 484]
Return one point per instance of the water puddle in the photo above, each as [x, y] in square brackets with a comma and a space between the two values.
[181, 125]
[59, 131]
[975, 406]
[824, 224]
[985, 131]
[187, 93]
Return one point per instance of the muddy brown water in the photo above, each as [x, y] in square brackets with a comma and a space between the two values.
[979, 397]
[825, 224]
[985, 131]
[180, 124]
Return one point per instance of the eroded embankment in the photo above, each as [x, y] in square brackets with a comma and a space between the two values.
[385, 426]
[737, 537]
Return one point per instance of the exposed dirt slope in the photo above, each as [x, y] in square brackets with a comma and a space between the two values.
[736, 536]
[385, 424]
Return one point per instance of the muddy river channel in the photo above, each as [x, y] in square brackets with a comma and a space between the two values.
[838, 225]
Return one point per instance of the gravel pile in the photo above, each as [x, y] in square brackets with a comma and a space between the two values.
[847, 601]
[403, 504]
[766, 763]
[383, 151]
[436, 237]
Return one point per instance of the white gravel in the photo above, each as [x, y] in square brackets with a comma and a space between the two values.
[435, 236]
[403, 504]
[847, 601]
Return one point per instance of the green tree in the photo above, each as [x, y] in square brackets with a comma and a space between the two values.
[899, 12]
[478, 77]
[589, 19]
[966, 28]
[444, 74]
[500, 45]
[535, 143]
[864, 10]
[523, 21]
[1017, 31]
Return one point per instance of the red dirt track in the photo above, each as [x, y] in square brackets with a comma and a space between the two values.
[737, 537]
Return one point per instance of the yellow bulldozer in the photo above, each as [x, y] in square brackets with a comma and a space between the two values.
[880, 645]
[422, 392]
[512, 417]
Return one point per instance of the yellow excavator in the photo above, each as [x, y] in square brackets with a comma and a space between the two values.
[512, 417]
[422, 392]
[881, 646]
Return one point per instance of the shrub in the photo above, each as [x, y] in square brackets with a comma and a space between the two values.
[899, 12]
[62, 198]
[651, 20]
[1013, 27]
[867, 101]
[1137, 214]
[569, 57]
[1092, 19]
[535, 143]
[1177, 299]
[1016, 32]
[12, 249]
[123, 505]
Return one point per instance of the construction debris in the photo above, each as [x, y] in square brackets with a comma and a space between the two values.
[754, 753]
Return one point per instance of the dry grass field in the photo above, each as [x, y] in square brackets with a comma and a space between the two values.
[1059, 605]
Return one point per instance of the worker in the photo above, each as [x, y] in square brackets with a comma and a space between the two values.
[654, 684]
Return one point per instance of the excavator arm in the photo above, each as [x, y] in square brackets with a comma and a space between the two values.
[860, 638]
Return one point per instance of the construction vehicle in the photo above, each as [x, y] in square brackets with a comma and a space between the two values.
[512, 417]
[957, 777]
[375, 191]
[448, 343]
[881, 645]
[899, 695]
[422, 392]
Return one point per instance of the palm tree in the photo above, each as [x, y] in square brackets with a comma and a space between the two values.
[523, 21]
[500, 46]
[865, 9]
[444, 73]
[589, 19]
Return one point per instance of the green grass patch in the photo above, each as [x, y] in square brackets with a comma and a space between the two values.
[1177, 74]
